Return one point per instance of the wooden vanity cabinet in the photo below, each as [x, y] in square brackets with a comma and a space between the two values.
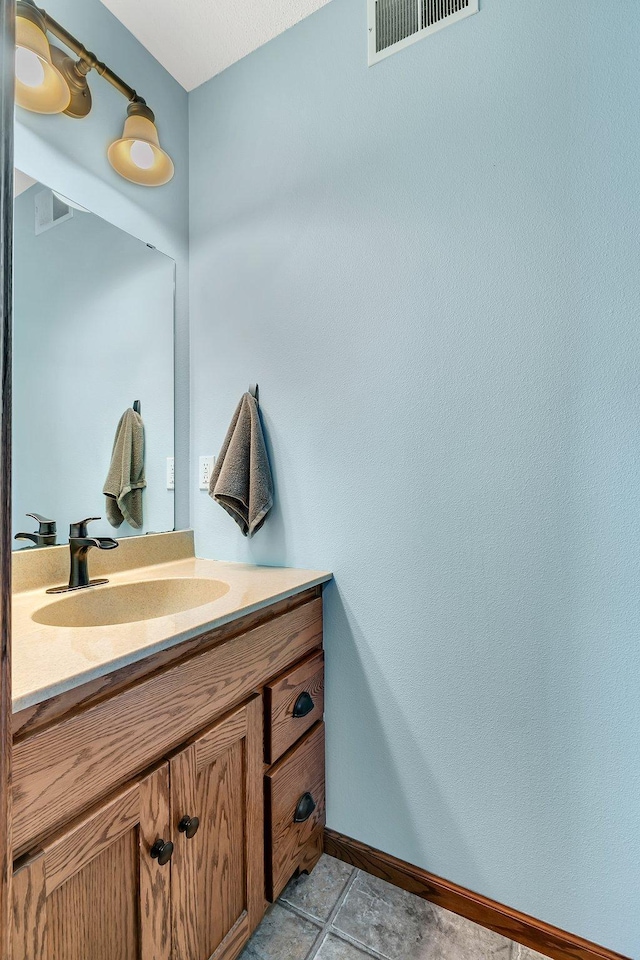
[294, 782]
[142, 879]
[94, 890]
[295, 810]
[217, 868]
[169, 864]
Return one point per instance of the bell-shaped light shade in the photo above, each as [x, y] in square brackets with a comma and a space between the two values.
[138, 156]
[40, 86]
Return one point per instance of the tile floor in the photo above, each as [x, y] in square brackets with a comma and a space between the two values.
[339, 913]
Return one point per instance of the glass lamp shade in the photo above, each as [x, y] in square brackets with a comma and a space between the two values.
[40, 87]
[137, 155]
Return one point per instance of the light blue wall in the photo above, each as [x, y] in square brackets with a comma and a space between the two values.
[93, 331]
[71, 156]
[431, 268]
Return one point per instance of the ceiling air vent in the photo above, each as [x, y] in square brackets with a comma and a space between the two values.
[394, 24]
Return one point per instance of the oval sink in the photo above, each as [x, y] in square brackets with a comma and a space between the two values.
[130, 602]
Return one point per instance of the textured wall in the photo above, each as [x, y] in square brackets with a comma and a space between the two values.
[87, 343]
[431, 267]
[71, 156]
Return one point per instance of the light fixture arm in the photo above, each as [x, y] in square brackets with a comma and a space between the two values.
[87, 60]
[60, 86]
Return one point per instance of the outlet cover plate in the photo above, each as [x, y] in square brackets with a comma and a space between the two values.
[206, 465]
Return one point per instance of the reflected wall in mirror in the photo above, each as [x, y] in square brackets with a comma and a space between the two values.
[93, 333]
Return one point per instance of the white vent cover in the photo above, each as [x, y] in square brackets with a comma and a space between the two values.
[394, 24]
[50, 210]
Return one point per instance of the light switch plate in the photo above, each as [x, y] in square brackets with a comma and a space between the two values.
[205, 471]
[171, 475]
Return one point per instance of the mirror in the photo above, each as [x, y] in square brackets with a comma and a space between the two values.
[93, 334]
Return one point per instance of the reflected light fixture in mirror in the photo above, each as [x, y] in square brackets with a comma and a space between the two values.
[40, 86]
[48, 80]
[137, 155]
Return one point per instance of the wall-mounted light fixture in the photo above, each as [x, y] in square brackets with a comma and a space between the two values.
[48, 80]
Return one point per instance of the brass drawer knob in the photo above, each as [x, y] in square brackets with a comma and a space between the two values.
[189, 826]
[305, 807]
[303, 705]
[162, 851]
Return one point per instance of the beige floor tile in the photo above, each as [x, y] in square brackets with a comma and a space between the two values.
[317, 893]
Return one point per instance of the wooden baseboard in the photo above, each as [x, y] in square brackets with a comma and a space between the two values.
[512, 924]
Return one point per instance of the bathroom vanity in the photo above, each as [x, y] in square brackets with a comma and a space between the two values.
[164, 793]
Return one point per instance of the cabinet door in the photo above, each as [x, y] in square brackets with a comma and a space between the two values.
[95, 890]
[217, 871]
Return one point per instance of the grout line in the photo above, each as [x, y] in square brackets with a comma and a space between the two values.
[317, 945]
[299, 912]
[343, 896]
[341, 935]
[315, 949]
[362, 947]
[326, 929]
[318, 921]
[513, 954]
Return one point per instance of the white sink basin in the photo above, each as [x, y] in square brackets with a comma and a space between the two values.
[130, 602]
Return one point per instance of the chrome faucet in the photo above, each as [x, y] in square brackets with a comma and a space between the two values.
[79, 546]
[46, 535]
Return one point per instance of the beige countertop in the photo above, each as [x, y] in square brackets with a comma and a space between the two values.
[49, 660]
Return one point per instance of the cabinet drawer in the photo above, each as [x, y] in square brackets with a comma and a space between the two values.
[295, 801]
[293, 703]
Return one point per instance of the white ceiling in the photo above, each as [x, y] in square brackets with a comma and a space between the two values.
[195, 40]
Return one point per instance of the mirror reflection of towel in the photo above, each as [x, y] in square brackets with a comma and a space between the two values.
[241, 481]
[125, 480]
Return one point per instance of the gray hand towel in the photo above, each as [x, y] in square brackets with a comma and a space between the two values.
[241, 481]
[125, 480]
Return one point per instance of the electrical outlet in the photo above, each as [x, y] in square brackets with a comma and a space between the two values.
[171, 474]
[205, 471]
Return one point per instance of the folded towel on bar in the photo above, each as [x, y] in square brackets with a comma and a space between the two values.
[241, 481]
[125, 480]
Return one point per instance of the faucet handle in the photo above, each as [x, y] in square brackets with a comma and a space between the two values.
[46, 527]
[79, 529]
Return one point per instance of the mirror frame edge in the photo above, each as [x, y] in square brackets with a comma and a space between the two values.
[7, 29]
